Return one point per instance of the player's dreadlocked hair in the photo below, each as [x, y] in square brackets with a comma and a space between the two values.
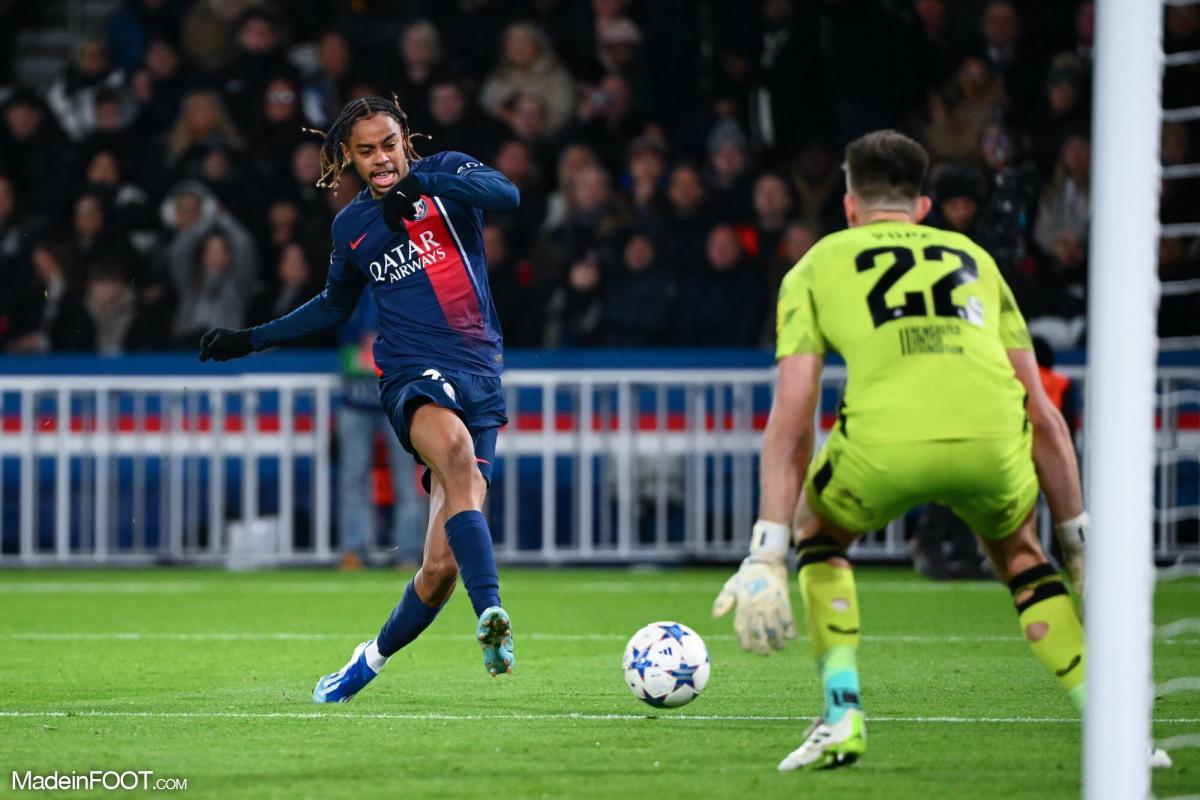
[333, 161]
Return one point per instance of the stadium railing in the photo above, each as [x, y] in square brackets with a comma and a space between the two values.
[610, 465]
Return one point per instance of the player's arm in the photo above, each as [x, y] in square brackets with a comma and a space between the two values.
[763, 619]
[331, 307]
[788, 439]
[471, 183]
[1053, 449]
[1057, 466]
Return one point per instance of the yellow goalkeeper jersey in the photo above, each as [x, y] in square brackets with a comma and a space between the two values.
[923, 320]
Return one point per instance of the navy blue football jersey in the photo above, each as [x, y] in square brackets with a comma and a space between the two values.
[429, 281]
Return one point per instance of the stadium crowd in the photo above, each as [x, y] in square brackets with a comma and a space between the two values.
[675, 158]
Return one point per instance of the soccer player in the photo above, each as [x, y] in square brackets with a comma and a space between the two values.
[942, 404]
[414, 235]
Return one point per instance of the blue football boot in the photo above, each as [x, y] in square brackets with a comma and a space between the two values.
[495, 637]
[340, 686]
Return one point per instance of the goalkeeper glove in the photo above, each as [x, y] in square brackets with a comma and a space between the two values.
[763, 619]
[222, 344]
[399, 202]
[1071, 535]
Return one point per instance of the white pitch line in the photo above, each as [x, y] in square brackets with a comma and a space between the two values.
[283, 636]
[396, 587]
[442, 717]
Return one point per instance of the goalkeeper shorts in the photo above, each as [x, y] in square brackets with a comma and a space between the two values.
[989, 483]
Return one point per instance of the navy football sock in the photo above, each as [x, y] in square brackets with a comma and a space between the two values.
[471, 542]
[408, 619]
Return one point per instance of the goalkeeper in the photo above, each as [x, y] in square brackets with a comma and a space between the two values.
[943, 404]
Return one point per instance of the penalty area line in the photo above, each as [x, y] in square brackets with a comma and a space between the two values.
[517, 717]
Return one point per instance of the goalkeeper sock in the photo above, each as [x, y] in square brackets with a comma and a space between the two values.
[831, 616]
[471, 542]
[408, 619]
[1052, 628]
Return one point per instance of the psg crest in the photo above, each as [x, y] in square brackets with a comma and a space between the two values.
[422, 208]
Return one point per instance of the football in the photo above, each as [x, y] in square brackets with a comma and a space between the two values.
[666, 664]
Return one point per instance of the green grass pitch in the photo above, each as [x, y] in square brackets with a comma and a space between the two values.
[207, 675]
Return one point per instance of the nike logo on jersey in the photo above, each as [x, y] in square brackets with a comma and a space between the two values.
[354, 244]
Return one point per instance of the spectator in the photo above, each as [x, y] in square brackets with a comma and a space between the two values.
[645, 178]
[773, 206]
[131, 27]
[278, 131]
[324, 92]
[527, 122]
[296, 282]
[258, 58]
[935, 55]
[202, 122]
[1004, 51]
[1062, 220]
[529, 67]
[798, 239]
[520, 224]
[686, 222]
[959, 111]
[114, 310]
[453, 123]
[72, 97]
[571, 160]
[94, 236]
[208, 32]
[819, 185]
[511, 281]
[957, 193]
[31, 147]
[1065, 106]
[595, 215]
[721, 303]
[54, 318]
[132, 212]
[1061, 234]
[575, 310]
[639, 304]
[420, 57]
[618, 49]
[606, 118]
[782, 106]
[213, 266]
[728, 173]
[159, 87]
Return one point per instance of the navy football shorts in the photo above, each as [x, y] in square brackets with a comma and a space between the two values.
[478, 401]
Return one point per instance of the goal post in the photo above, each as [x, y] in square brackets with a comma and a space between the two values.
[1122, 347]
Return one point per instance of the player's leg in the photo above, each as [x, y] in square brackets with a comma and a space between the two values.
[448, 449]
[838, 737]
[831, 616]
[847, 490]
[423, 598]
[1049, 620]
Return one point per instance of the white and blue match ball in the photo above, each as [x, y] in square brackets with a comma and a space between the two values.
[666, 664]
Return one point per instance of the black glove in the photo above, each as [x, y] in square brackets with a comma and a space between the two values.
[399, 202]
[222, 344]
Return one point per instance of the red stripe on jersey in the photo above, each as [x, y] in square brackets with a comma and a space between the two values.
[448, 275]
